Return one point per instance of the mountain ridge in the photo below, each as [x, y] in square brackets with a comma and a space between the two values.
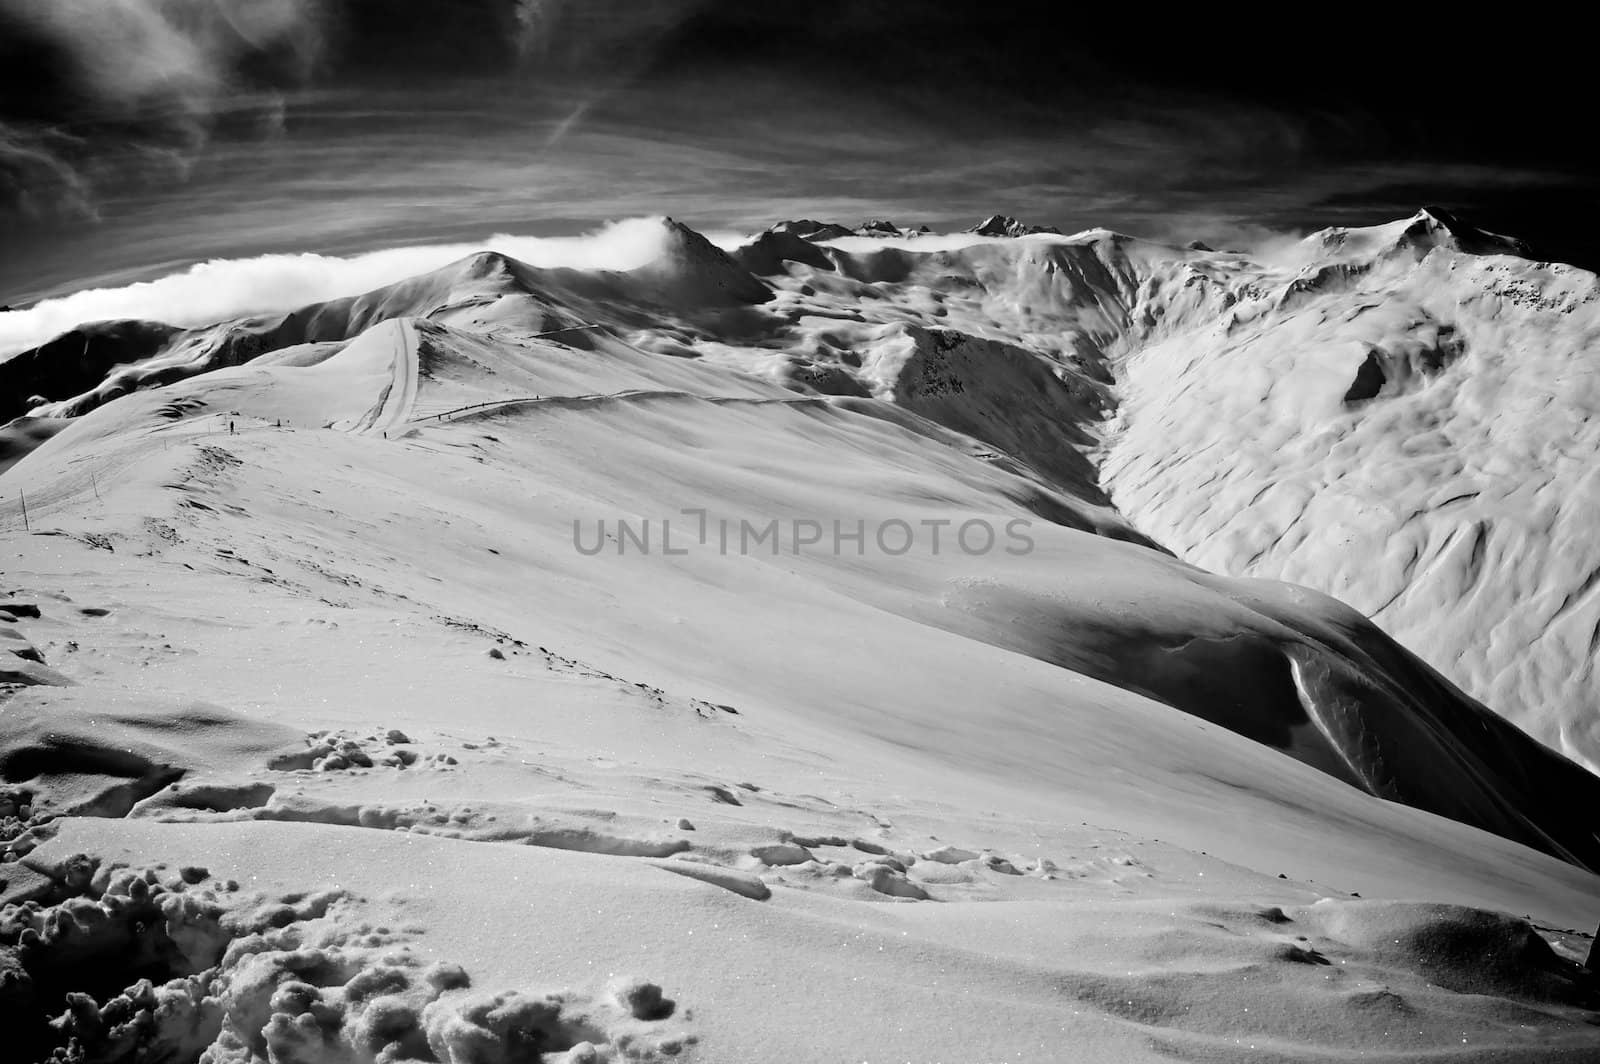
[1048, 392]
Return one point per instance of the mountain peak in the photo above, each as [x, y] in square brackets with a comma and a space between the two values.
[694, 269]
[1412, 237]
[1005, 225]
[878, 227]
[811, 229]
[767, 253]
[1438, 225]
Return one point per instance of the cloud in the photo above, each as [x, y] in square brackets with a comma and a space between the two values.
[96, 89]
[147, 86]
[34, 177]
[181, 58]
[228, 288]
[740, 116]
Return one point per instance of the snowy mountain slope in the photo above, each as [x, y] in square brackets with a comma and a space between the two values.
[346, 582]
[709, 758]
[1342, 715]
[1409, 427]
[87, 366]
[1402, 416]
[1296, 673]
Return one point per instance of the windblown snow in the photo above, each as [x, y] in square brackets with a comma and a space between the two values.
[843, 644]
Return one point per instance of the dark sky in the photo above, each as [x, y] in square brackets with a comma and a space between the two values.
[149, 133]
[1249, 114]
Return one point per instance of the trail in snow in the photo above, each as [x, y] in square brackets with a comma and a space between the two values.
[399, 397]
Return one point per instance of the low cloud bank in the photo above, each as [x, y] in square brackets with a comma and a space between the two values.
[228, 288]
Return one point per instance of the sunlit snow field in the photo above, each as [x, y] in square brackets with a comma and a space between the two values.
[464, 789]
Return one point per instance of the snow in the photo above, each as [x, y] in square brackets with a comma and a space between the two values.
[481, 793]
[1453, 508]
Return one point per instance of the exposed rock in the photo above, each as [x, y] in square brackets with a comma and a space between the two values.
[1005, 225]
[810, 229]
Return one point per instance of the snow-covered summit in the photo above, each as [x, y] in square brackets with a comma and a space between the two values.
[1412, 238]
[692, 270]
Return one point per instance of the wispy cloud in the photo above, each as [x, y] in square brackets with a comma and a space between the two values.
[618, 110]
